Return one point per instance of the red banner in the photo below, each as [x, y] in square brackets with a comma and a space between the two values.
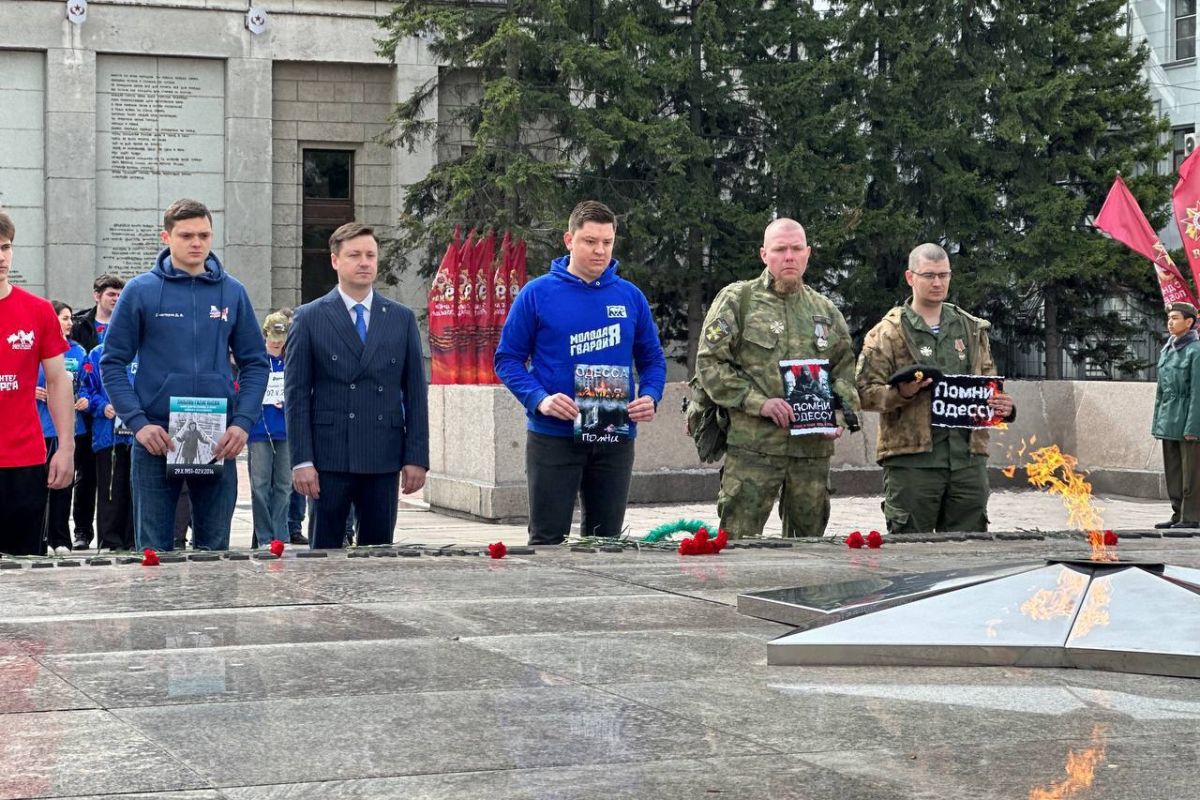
[485, 346]
[1123, 220]
[1186, 201]
[464, 312]
[442, 307]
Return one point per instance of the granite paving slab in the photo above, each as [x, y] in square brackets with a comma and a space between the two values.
[775, 777]
[322, 669]
[27, 685]
[600, 658]
[171, 630]
[503, 616]
[321, 739]
[895, 708]
[118, 589]
[66, 753]
[1091, 765]
[400, 580]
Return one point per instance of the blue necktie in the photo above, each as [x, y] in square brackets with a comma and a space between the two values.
[360, 322]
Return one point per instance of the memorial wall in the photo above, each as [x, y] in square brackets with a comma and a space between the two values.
[22, 161]
[160, 125]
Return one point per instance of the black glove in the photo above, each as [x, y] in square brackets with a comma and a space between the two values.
[917, 372]
[852, 423]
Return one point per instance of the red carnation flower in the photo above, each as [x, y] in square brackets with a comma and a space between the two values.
[497, 550]
[874, 540]
[855, 540]
[1110, 539]
[149, 558]
[87, 366]
[276, 548]
[719, 543]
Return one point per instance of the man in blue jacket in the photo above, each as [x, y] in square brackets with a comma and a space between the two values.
[579, 317]
[182, 320]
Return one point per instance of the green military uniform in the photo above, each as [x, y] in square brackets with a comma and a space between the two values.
[934, 478]
[749, 329]
[1176, 416]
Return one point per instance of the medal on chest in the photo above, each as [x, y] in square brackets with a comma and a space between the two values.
[820, 333]
[777, 327]
[961, 348]
[927, 351]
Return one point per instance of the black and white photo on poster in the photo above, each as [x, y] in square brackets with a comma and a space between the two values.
[195, 426]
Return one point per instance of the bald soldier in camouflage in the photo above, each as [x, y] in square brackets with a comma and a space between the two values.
[934, 479]
[751, 327]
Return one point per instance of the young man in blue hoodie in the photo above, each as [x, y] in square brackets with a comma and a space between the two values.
[580, 314]
[181, 321]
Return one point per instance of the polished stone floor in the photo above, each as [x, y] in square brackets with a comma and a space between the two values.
[561, 674]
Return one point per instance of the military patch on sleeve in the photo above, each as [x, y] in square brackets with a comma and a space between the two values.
[717, 331]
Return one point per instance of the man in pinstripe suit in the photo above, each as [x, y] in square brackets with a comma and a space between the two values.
[355, 398]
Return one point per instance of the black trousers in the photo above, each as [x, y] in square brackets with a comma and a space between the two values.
[86, 486]
[559, 469]
[58, 507]
[114, 505]
[24, 493]
[1181, 462]
[374, 496]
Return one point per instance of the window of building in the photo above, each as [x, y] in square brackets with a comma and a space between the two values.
[328, 177]
[1182, 142]
[1185, 29]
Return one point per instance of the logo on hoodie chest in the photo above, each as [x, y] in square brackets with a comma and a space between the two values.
[595, 339]
[219, 313]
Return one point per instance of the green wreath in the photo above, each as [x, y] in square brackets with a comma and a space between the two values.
[665, 530]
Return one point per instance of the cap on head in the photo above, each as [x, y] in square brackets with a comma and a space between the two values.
[1187, 309]
[275, 326]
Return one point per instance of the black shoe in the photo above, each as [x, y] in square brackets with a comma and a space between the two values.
[1168, 524]
[298, 538]
[80, 544]
[1186, 525]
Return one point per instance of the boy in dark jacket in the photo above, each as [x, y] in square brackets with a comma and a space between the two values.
[1177, 416]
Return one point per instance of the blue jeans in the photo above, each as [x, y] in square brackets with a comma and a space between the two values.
[296, 506]
[270, 489]
[155, 498]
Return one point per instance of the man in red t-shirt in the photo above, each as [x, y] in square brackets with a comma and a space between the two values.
[30, 335]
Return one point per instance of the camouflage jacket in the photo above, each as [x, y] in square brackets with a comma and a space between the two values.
[748, 331]
[904, 424]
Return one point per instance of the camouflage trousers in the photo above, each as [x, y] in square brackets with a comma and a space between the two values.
[752, 482]
[923, 500]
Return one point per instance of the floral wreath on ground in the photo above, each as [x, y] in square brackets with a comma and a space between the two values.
[698, 544]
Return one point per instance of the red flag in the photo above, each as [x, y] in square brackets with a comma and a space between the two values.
[464, 312]
[1123, 220]
[485, 347]
[500, 297]
[443, 356]
[1186, 201]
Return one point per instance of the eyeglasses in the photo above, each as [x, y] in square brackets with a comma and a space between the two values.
[933, 276]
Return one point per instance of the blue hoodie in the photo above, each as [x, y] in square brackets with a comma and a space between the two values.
[73, 361]
[103, 432]
[611, 322]
[181, 330]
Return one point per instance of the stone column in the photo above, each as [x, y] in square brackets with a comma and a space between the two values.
[248, 180]
[70, 175]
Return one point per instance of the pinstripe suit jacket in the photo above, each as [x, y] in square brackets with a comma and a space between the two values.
[352, 407]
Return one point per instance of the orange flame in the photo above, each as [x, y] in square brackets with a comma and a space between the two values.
[1053, 470]
[1095, 610]
[1010, 470]
[1046, 604]
[1081, 771]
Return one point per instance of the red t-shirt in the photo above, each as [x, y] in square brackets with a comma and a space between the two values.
[29, 333]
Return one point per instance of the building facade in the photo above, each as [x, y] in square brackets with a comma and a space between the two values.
[281, 133]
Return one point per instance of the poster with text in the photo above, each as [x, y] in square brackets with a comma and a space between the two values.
[961, 401]
[196, 425]
[602, 394]
[807, 389]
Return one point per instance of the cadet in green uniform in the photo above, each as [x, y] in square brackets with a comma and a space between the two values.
[1177, 416]
[751, 327]
[935, 479]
